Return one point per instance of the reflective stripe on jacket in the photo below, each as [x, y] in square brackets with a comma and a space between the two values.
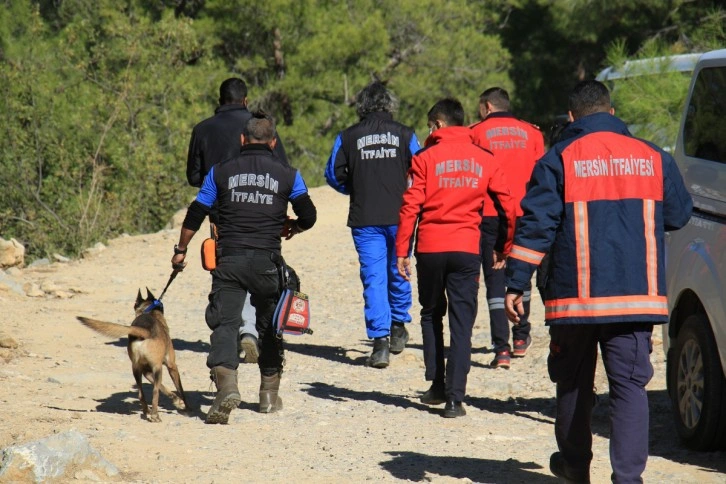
[600, 202]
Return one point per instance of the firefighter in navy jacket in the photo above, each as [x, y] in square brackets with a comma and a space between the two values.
[517, 145]
[252, 192]
[599, 202]
[448, 183]
[369, 162]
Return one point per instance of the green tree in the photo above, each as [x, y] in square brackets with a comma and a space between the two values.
[96, 111]
[555, 44]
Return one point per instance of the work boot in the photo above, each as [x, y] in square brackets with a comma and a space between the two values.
[270, 401]
[250, 347]
[380, 355]
[399, 337]
[227, 397]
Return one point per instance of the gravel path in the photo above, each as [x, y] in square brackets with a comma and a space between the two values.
[342, 421]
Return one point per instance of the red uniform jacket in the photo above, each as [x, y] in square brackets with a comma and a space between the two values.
[517, 145]
[447, 184]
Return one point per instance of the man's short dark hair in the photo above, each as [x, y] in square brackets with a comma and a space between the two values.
[498, 97]
[448, 110]
[375, 98]
[589, 97]
[260, 128]
[232, 91]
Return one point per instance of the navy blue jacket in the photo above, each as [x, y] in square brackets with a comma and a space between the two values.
[599, 202]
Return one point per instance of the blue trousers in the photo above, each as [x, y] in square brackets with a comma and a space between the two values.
[386, 294]
[626, 349]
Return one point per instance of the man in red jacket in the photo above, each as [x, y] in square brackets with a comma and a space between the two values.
[517, 145]
[447, 184]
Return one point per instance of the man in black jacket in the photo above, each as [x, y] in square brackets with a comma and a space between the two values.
[251, 192]
[217, 139]
[369, 162]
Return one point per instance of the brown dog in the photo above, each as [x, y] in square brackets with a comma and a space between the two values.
[149, 348]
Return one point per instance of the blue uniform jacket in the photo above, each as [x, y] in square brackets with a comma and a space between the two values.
[599, 202]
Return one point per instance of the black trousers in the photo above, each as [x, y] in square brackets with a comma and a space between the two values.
[448, 280]
[626, 349]
[496, 290]
[249, 270]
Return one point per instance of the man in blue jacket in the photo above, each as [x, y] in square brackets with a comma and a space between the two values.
[369, 162]
[599, 202]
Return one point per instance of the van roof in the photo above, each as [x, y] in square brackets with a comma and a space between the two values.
[632, 68]
[714, 54]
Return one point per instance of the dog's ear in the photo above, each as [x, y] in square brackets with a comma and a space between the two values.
[139, 300]
[149, 296]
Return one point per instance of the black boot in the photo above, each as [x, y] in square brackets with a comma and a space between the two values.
[380, 355]
[561, 469]
[454, 409]
[399, 337]
[270, 401]
[227, 398]
[436, 395]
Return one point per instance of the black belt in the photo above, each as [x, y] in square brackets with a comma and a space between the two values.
[246, 251]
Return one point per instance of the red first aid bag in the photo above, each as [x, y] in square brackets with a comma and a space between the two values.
[292, 315]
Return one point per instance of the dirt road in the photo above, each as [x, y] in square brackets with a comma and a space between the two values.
[342, 421]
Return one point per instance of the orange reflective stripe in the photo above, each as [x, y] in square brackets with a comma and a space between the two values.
[582, 249]
[606, 306]
[651, 250]
[526, 255]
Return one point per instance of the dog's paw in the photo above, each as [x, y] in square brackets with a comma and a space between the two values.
[154, 417]
[179, 403]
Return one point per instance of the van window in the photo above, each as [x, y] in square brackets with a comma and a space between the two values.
[704, 132]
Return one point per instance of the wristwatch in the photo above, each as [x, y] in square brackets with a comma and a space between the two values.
[178, 251]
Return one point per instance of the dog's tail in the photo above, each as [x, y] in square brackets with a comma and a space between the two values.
[113, 329]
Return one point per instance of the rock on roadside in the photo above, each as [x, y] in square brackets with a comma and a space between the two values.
[57, 458]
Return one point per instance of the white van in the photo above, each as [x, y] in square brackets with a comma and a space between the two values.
[695, 338]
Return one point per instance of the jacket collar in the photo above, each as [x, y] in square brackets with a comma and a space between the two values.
[456, 134]
[499, 114]
[255, 148]
[230, 107]
[378, 115]
[593, 123]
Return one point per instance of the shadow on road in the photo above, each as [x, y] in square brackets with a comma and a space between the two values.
[338, 394]
[198, 346]
[336, 354]
[412, 466]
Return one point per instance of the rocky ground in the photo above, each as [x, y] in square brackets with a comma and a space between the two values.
[342, 421]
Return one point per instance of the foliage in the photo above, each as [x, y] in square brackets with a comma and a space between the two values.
[652, 104]
[95, 118]
[99, 97]
[555, 44]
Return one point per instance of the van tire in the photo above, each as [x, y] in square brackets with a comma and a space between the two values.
[697, 387]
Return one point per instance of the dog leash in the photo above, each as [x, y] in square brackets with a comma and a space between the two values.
[171, 278]
[157, 304]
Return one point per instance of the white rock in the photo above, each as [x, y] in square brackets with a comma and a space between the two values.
[12, 253]
[53, 458]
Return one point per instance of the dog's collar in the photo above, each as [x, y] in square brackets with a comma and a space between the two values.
[157, 304]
